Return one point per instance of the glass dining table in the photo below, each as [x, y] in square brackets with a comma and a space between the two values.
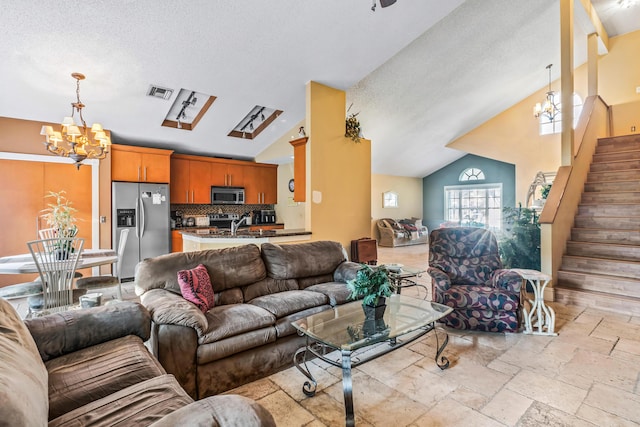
[24, 264]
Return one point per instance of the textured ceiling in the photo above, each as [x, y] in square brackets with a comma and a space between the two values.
[464, 62]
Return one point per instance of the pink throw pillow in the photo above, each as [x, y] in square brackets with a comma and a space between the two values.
[195, 287]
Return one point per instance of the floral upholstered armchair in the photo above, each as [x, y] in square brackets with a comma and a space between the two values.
[467, 275]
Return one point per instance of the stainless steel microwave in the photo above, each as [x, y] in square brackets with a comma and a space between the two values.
[227, 195]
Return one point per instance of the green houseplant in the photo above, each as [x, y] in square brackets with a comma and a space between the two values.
[371, 283]
[519, 243]
[60, 216]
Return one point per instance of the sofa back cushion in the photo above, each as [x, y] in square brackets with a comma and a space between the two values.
[23, 377]
[301, 260]
[228, 269]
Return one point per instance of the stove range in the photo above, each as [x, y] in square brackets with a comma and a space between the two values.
[222, 220]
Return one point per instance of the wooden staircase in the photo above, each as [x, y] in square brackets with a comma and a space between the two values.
[601, 266]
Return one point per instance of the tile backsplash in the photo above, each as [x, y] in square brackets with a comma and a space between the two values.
[189, 210]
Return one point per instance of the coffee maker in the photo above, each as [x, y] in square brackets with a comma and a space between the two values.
[177, 217]
[268, 216]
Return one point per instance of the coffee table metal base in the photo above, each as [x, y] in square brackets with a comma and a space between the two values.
[350, 359]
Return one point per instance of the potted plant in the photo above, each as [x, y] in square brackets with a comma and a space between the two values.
[352, 126]
[59, 215]
[373, 284]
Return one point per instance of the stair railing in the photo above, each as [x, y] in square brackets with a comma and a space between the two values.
[558, 215]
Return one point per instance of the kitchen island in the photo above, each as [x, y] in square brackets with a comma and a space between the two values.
[217, 239]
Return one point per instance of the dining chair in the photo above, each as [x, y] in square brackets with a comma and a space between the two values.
[105, 281]
[47, 233]
[56, 260]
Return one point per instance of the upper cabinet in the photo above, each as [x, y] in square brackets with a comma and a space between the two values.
[140, 164]
[261, 184]
[227, 174]
[300, 168]
[190, 180]
[193, 176]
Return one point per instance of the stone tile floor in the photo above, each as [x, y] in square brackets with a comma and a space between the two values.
[589, 375]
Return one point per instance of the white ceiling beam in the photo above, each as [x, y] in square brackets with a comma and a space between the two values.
[587, 18]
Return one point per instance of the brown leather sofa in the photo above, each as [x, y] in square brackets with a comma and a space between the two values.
[258, 293]
[90, 367]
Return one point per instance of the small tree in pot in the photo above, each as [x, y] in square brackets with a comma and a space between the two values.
[60, 216]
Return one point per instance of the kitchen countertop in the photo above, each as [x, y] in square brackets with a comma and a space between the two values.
[244, 233]
[194, 241]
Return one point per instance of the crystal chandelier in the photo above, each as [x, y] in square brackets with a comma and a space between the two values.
[75, 141]
[548, 108]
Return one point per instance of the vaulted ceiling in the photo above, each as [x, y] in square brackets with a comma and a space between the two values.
[420, 73]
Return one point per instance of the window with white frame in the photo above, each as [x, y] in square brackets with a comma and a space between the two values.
[471, 174]
[548, 127]
[474, 205]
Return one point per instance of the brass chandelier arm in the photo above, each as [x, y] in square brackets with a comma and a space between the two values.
[80, 144]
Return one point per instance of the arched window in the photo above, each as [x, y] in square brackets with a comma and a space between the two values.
[548, 127]
[471, 174]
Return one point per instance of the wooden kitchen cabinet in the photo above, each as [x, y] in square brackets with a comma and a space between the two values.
[190, 181]
[266, 227]
[227, 174]
[261, 184]
[176, 241]
[193, 176]
[140, 164]
[24, 197]
[300, 168]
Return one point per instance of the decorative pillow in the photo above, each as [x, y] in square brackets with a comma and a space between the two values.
[195, 287]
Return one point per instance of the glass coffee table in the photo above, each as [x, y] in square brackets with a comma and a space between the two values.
[344, 329]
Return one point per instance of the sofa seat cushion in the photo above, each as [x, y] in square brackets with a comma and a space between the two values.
[284, 326]
[23, 376]
[138, 405]
[336, 292]
[209, 352]
[284, 303]
[230, 320]
[92, 373]
[480, 298]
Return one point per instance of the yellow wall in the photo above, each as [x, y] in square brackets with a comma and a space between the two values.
[513, 135]
[409, 192]
[338, 203]
[619, 70]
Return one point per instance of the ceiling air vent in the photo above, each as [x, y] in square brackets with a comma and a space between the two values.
[159, 92]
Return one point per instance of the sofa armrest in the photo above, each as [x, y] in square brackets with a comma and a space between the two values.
[62, 333]
[346, 271]
[506, 279]
[219, 411]
[167, 308]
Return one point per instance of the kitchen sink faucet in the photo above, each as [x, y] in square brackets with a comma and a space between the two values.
[236, 224]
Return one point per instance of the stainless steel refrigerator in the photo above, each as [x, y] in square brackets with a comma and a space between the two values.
[144, 209]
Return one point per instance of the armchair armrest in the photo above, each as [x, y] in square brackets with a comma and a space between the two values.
[167, 308]
[506, 279]
[440, 280]
[69, 331]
